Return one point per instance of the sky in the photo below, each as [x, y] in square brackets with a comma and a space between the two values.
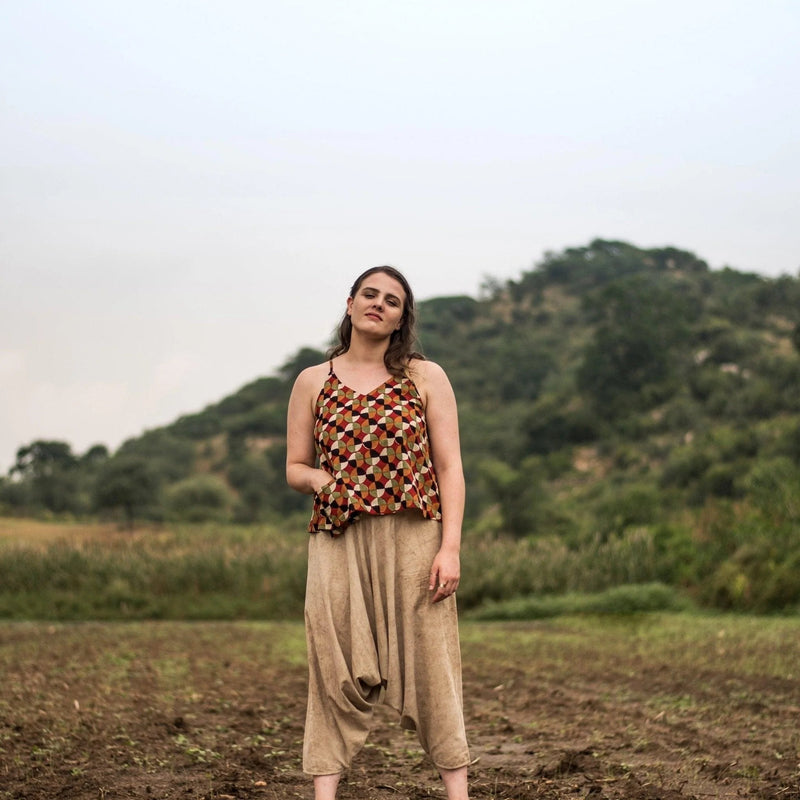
[188, 189]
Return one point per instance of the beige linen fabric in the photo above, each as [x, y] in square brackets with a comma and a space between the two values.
[374, 635]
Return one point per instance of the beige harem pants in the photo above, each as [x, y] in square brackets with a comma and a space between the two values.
[372, 630]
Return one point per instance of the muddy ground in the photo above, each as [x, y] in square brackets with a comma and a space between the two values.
[201, 711]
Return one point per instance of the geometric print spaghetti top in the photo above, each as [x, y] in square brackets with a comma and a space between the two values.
[376, 447]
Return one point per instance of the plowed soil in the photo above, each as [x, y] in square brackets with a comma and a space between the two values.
[554, 710]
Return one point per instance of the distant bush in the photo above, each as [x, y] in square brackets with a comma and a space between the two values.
[552, 422]
[789, 442]
[721, 480]
[265, 420]
[200, 498]
[774, 487]
[519, 492]
[620, 600]
[623, 506]
[166, 454]
[733, 345]
[758, 577]
[198, 426]
[260, 483]
[713, 386]
[735, 443]
[685, 466]
[682, 414]
[756, 400]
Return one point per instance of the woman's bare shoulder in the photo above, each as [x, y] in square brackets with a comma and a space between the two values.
[424, 370]
[312, 379]
[428, 376]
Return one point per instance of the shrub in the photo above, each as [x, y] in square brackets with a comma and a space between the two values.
[620, 600]
[758, 577]
[200, 498]
[684, 466]
[622, 507]
[265, 420]
[774, 487]
[721, 480]
[789, 443]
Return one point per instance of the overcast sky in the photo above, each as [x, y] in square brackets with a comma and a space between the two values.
[189, 188]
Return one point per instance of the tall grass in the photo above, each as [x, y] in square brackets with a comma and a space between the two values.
[258, 572]
[179, 573]
[499, 569]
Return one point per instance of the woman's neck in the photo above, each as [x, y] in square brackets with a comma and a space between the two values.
[365, 354]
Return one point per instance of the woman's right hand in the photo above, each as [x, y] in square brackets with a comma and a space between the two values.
[319, 479]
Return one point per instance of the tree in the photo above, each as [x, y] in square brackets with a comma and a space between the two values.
[554, 422]
[642, 323]
[49, 468]
[94, 457]
[260, 483]
[171, 456]
[519, 494]
[130, 484]
[42, 458]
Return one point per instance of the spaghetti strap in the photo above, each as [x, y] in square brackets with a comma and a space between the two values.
[330, 367]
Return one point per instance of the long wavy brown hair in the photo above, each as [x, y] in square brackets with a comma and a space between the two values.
[402, 342]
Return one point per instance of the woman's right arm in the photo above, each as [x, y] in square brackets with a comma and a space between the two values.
[302, 473]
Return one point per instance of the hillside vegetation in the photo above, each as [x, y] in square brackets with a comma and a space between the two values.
[627, 410]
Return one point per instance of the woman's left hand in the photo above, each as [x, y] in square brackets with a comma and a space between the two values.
[445, 574]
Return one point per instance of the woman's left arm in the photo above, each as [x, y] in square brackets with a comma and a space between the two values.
[441, 413]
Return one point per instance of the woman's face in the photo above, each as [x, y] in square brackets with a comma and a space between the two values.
[378, 305]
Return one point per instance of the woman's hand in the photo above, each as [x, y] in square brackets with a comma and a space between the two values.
[445, 574]
[319, 478]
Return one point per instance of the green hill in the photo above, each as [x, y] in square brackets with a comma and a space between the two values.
[611, 397]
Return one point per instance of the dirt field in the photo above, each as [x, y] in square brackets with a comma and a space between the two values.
[642, 710]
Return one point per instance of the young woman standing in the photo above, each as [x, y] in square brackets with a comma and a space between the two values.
[373, 436]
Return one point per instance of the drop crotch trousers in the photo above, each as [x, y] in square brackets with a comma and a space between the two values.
[373, 634]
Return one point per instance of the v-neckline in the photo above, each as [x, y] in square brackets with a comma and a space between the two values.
[350, 390]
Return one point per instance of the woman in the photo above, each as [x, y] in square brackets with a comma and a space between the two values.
[373, 435]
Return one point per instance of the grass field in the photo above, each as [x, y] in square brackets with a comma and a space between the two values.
[79, 571]
[642, 707]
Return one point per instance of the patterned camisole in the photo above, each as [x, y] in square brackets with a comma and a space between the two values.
[376, 447]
